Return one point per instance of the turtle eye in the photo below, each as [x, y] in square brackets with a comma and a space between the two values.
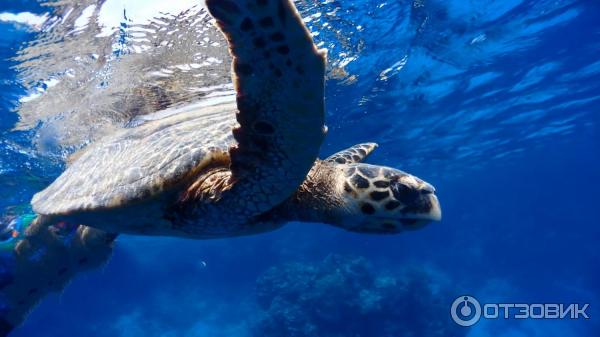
[404, 193]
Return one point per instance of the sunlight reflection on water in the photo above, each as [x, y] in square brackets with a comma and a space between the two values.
[440, 86]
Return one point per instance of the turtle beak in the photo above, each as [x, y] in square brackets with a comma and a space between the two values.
[420, 219]
[435, 213]
[419, 199]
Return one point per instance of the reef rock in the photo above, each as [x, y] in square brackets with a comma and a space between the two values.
[347, 297]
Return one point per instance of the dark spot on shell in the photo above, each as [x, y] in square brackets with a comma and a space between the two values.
[370, 172]
[378, 195]
[266, 22]
[277, 37]
[390, 205]
[347, 187]
[246, 25]
[242, 68]
[350, 171]
[259, 42]
[356, 158]
[340, 160]
[359, 181]
[283, 50]
[362, 152]
[382, 184]
[367, 208]
[263, 127]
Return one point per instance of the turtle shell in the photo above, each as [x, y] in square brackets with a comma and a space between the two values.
[141, 162]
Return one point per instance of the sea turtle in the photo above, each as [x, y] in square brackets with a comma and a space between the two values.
[213, 171]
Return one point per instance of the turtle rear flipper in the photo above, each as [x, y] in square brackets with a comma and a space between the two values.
[278, 73]
[42, 260]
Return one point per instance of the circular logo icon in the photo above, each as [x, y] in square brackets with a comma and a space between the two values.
[465, 310]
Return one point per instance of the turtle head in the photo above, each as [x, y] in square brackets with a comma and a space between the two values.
[378, 199]
[359, 197]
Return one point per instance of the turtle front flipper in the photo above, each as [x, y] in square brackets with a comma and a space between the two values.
[354, 154]
[278, 73]
[36, 259]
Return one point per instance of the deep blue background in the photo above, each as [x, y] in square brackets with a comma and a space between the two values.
[523, 227]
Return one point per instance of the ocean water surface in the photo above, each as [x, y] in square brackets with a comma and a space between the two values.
[496, 103]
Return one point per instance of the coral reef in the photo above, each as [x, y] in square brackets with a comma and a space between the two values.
[347, 296]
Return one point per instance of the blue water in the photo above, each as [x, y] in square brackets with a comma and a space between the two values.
[496, 103]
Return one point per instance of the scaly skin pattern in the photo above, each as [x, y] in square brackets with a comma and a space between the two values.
[278, 74]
